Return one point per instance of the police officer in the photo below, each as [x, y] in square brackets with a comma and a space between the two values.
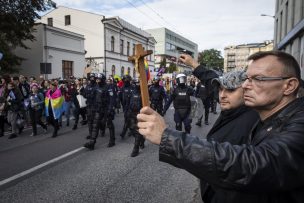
[201, 93]
[157, 95]
[103, 106]
[89, 94]
[182, 103]
[134, 108]
[112, 89]
[125, 95]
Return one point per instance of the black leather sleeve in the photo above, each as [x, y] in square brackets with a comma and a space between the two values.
[277, 163]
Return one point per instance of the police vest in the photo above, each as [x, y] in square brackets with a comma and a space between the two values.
[102, 96]
[135, 102]
[182, 98]
[156, 94]
[90, 94]
[126, 93]
[202, 92]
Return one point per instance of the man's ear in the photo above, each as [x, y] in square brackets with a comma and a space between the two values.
[291, 85]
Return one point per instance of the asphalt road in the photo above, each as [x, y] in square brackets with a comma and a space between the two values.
[102, 175]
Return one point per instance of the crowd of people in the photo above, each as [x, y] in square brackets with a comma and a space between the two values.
[28, 102]
[253, 152]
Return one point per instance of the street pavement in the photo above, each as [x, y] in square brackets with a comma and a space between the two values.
[102, 175]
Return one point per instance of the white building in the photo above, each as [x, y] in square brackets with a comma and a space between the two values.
[235, 57]
[169, 46]
[289, 29]
[58, 52]
[108, 41]
[121, 38]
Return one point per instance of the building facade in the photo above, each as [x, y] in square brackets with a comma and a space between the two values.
[121, 38]
[169, 46]
[108, 41]
[235, 57]
[55, 53]
[289, 29]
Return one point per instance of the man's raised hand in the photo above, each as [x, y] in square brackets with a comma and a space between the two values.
[188, 60]
[151, 125]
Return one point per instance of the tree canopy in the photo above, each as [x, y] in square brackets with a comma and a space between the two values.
[212, 59]
[17, 19]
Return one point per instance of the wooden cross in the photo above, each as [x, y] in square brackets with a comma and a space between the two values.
[138, 59]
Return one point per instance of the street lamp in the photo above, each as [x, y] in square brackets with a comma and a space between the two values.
[265, 15]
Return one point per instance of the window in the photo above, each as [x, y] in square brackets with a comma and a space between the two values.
[50, 22]
[113, 70]
[133, 49]
[128, 48]
[121, 46]
[286, 18]
[67, 69]
[302, 53]
[122, 71]
[281, 26]
[168, 46]
[292, 13]
[173, 47]
[134, 73]
[112, 43]
[129, 71]
[302, 9]
[277, 32]
[67, 20]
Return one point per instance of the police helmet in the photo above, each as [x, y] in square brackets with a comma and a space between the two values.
[136, 81]
[181, 78]
[156, 78]
[91, 75]
[126, 78]
[101, 76]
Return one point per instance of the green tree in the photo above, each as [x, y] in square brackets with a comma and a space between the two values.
[163, 63]
[212, 59]
[17, 19]
[172, 68]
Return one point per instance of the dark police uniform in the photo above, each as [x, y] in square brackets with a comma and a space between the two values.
[89, 93]
[157, 96]
[134, 109]
[103, 105]
[125, 95]
[182, 105]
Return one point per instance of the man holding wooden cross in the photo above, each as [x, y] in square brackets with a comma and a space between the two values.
[269, 168]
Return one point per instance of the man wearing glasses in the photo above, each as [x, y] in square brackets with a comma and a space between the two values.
[270, 166]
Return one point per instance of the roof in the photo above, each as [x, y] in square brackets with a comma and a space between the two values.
[131, 27]
[123, 23]
[250, 45]
[73, 9]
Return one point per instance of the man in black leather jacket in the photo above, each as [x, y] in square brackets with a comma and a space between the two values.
[270, 166]
[227, 127]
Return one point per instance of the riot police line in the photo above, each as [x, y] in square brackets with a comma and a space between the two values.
[26, 102]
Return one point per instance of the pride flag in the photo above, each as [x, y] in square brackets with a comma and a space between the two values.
[57, 101]
[147, 69]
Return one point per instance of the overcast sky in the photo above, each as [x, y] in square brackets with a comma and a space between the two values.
[209, 23]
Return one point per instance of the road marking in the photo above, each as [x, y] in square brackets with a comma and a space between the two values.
[24, 173]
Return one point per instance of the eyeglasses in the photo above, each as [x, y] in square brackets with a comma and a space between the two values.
[259, 79]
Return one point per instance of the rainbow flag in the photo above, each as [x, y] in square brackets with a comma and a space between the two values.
[147, 69]
[57, 101]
